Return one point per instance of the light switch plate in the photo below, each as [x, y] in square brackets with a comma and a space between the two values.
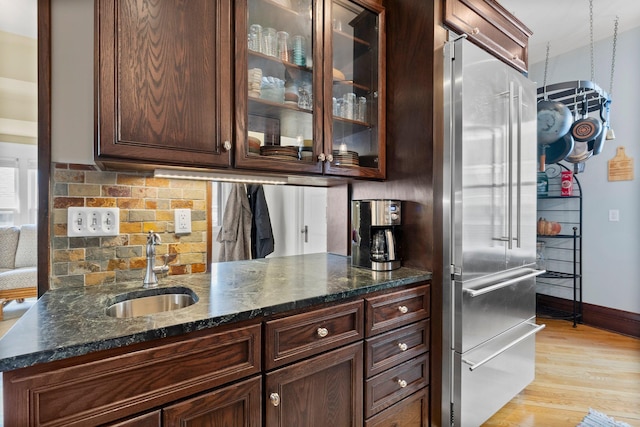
[182, 221]
[89, 222]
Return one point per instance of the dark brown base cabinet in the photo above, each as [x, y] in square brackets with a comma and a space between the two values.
[237, 405]
[364, 362]
[325, 390]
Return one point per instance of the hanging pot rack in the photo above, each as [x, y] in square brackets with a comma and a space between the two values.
[572, 94]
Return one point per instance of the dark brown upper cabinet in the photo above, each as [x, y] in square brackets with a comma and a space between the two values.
[490, 26]
[309, 87]
[163, 73]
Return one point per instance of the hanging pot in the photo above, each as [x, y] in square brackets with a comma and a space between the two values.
[558, 150]
[554, 121]
[587, 128]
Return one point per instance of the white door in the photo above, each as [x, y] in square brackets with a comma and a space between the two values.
[298, 219]
[314, 220]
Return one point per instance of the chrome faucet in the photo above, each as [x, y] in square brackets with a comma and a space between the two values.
[150, 278]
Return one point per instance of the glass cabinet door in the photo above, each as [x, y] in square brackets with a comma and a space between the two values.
[356, 103]
[278, 127]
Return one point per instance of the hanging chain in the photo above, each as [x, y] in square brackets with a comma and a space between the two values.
[593, 72]
[613, 54]
[546, 64]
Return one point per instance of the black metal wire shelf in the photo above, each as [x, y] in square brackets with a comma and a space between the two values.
[572, 216]
[559, 236]
[558, 275]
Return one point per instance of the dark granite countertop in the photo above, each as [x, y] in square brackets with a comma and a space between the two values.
[71, 322]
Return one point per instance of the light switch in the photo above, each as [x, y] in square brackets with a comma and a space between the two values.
[614, 215]
[182, 221]
[88, 222]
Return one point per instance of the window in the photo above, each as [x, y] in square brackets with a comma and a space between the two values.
[9, 201]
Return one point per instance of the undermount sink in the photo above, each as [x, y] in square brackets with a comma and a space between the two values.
[143, 304]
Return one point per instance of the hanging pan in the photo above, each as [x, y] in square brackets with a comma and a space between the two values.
[586, 128]
[558, 150]
[597, 144]
[554, 121]
[580, 152]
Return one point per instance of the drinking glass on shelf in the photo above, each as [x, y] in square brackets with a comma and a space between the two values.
[348, 104]
[283, 45]
[269, 46]
[362, 109]
[255, 37]
[299, 55]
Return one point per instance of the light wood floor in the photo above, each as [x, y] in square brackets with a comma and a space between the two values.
[577, 369]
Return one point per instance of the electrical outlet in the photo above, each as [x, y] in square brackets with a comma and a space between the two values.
[88, 222]
[182, 221]
[614, 215]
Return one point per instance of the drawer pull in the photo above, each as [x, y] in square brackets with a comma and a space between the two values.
[322, 332]
[402, 383]
[275, 399]
[226, 145]
[403, 309]
[402, 346]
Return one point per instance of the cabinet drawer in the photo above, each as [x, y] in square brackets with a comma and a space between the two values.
[412, 411]
[389, 311]
[393, 385]
[102, 391]
[397, 346]
[302, 335]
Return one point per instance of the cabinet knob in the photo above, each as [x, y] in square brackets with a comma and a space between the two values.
[475, 31]
[226, 145]
[402, 346]
[322, 332]
[330, 158]
[402, 383]
[275, 399]
[322, 157]
[403, 309]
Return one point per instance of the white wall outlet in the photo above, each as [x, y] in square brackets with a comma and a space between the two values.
[89, 222]
[614, 215]
[182, 221]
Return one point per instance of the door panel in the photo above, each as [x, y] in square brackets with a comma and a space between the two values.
[480, 173]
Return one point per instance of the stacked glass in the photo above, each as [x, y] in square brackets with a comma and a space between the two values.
[299, 55]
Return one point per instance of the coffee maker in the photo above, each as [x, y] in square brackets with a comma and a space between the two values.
[375, 232]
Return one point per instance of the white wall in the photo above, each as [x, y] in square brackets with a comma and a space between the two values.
[611, 250]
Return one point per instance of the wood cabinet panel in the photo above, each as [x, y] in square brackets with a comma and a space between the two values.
[237, 405]
[393, 385]
[161, 89]
[386, 350]
[151, 419]
[291, 338]
[412, 411]
[492, 27]
[120, 386]
[325, 390]
[395, 309]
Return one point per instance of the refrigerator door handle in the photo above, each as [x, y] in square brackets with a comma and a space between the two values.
[477, 292]
[510, 170]
[519, 178]
[473, 366]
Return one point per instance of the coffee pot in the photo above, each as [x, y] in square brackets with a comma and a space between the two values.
[375, 234]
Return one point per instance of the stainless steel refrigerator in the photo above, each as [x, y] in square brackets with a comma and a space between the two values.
[490, 234]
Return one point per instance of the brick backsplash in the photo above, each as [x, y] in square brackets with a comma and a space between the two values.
[146, 203]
